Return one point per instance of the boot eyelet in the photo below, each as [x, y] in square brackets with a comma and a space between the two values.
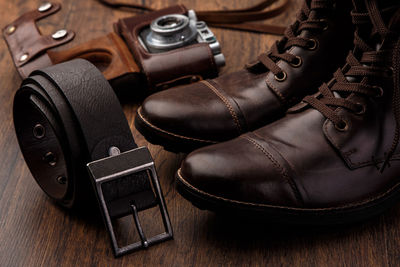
[280, 76]
[312, 44]
[325, 23]
[342, 126]
[360, 109]
[379, 91]
[296, 62]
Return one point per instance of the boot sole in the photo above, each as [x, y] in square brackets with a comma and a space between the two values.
[319, 217]
[170, 141]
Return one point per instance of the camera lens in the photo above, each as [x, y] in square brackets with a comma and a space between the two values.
[171, 31]
[169, 22]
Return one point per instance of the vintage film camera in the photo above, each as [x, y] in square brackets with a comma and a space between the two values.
[175, 30]
[144, 53]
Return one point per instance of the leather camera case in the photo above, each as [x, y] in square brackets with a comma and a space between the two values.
[162, 70]
[119, 55]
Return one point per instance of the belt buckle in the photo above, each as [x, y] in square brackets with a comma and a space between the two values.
[116, 167]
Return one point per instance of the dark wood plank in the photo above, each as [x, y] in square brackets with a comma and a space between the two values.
[36, 232]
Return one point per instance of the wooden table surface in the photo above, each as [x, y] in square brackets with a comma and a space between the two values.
[36, 232]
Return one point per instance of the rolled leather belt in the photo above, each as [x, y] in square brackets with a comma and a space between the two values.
[71, 130]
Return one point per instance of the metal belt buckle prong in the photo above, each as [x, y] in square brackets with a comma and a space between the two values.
[120, 166]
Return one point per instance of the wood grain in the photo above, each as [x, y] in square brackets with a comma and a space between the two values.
[36, 232]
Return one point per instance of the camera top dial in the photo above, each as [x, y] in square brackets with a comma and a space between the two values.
[171, 31]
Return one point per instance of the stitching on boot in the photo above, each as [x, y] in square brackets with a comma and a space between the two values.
[333, 209]
[278, 166]
[227, 104]
[276, 91]
[169, 133]
[241, 117]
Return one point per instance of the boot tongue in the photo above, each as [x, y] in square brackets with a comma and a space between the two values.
[394, 22]
[369, 35]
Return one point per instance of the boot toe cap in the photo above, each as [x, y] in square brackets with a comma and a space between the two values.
[237, 171]
[192, 111]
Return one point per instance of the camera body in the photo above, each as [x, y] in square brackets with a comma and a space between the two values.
[171, 47]
[173, 31]
[145, 53]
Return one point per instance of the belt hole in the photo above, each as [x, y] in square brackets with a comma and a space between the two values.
[39, 131]
[50, 158]
[62, 179]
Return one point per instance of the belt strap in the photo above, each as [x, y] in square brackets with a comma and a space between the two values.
[239, 19]
[72, 130]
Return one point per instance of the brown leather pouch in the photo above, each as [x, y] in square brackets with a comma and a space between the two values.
[165, 69]
[26, 44]
[109, 54]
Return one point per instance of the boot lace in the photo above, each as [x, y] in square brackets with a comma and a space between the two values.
[363, 65]
[278, 50]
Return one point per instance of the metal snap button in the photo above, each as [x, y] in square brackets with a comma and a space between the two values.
[59, 34]
[44, 7]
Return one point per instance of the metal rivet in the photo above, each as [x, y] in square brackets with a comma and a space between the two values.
[313, 44]
[297, 62]
[281, 76]
[44, 7]
[59, 34]
[325, 23]
[50, 158]
[61, 179]
[360, 109]
[342, 126]
[11, 29]
[194, 79]
[39, 131]
[114, 151]
[24, 57]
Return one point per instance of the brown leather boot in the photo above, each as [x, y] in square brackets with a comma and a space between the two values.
[334, 158]
[212, 111]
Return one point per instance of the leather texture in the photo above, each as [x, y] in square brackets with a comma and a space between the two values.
[66, 116]
[108, 53]
[119, 55]
[222, 108]
[303, 161]
[25, 41]
[165, 69]
[238, 19]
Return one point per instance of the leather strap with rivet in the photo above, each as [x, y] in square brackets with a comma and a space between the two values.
[78, 145]
[237, 19]
[29, 48]
[31, 51]
[115, 56]
[27, 45]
